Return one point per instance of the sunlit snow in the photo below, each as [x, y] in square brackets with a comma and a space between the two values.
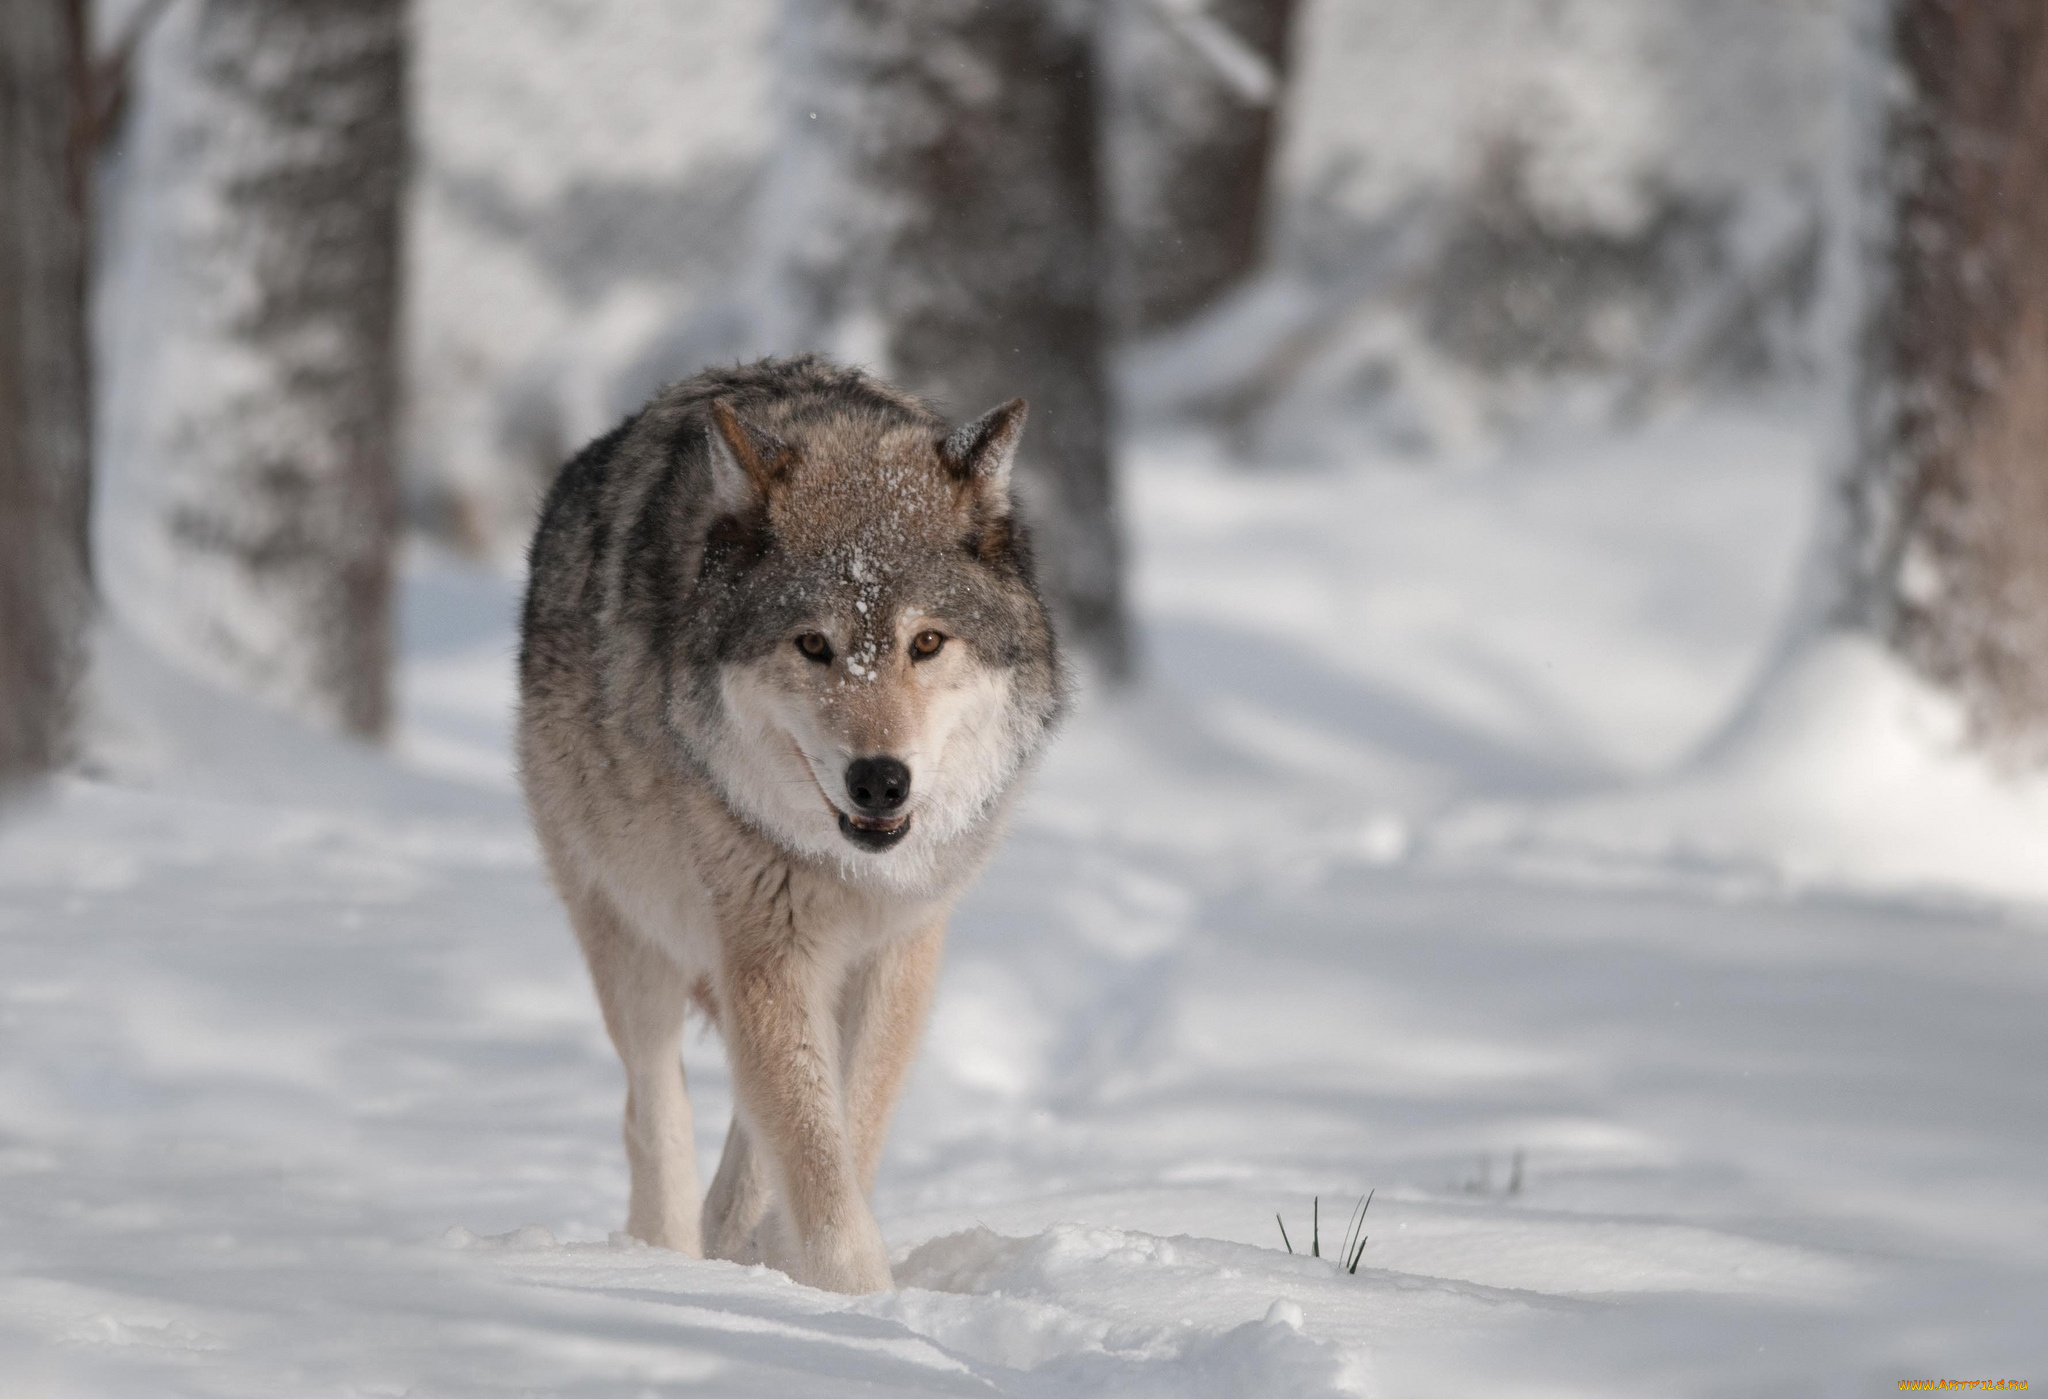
[1424, 861]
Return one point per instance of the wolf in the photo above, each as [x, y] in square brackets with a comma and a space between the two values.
[783, 661]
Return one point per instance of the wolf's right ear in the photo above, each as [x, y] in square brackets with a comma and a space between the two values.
[983, 451]
[746, 462]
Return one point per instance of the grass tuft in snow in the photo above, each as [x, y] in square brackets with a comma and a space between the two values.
[1354, 1236]
[1353, 1247]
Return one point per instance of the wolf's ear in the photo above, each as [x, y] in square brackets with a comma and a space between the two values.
[746, 462]
[982, 452]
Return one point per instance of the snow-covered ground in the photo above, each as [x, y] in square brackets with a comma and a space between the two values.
[1381, 881]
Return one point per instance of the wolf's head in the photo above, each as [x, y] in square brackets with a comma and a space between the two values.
[877, 666]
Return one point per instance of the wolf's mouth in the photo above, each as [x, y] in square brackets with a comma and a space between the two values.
[873, 835]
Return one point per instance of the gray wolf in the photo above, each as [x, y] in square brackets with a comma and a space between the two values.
[782, 664]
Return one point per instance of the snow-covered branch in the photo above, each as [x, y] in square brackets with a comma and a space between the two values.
[1242, 68]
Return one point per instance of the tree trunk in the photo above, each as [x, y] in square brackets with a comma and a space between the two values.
[1949, 498]
[257, 421]
[1194, 90]
[44, 396]
[934, 216]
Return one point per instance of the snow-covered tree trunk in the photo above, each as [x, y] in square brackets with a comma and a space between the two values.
[1193, 96]
[44, 396]
[933, 215]
[1948, 491]
[255, 408]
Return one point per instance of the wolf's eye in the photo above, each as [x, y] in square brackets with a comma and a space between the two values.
[814, 645]
[926, 643]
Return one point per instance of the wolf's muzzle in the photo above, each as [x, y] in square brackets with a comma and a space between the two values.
[879, 786]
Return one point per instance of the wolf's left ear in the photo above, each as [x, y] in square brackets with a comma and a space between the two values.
[983, 451]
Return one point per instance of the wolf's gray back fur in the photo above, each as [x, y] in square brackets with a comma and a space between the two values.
[713, 643]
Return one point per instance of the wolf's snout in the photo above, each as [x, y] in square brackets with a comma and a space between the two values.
[878, 786]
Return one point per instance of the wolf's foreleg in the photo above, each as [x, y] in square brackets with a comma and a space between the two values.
[881, 1017]
[783, 1041]
[736, 1201]
[643, 995]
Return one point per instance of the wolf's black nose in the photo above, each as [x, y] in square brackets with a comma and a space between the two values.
[877, 785]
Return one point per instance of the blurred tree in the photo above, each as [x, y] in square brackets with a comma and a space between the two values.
[1193, 94]
[1948, 492]
[935, 214]
[44, 396]
[264, 451]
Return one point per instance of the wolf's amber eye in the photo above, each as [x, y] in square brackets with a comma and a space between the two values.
[926, 643]
[814, 645]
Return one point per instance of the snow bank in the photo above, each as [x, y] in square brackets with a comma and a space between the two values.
[1847, 771]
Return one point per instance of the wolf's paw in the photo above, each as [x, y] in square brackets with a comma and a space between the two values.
[851, 1258]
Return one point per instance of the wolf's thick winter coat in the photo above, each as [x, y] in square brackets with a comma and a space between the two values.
[783, 661]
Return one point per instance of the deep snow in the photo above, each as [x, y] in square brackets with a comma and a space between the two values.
[1396, 872]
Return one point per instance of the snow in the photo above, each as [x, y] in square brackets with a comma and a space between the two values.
[1845, 769]
[1686, 1053]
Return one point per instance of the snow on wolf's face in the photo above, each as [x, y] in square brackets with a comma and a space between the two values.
[892, 671]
